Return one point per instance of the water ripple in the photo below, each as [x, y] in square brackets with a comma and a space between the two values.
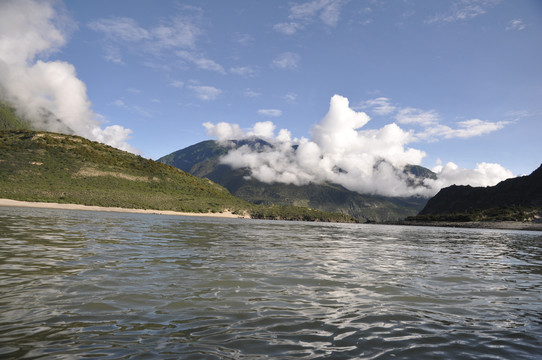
[130, 286]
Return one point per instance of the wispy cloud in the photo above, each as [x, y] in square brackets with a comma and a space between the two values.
[288, 28]
[461, 10]
[427, 124]
[177, 36]
[416, 116]
[200, 61]
[286, 61]
[515, 24]
[204, 92]
[465, 129]
[246, 71]
[270, 112]
[302, 14]
[177, 83]
[251, 93]
[379, 106]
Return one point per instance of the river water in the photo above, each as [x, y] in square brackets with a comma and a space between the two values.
[77, 284]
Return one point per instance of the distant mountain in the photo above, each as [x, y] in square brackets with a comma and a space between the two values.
[518, 198]
[203, 160]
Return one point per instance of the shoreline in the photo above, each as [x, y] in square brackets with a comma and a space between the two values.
[53, 205]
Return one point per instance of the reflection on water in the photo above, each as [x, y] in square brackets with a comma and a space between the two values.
[84, 284]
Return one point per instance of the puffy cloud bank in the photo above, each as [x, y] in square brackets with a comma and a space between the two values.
[48, 93]
[342, 152]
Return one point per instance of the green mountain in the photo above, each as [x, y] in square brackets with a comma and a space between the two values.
[516, 199]
[203, 160]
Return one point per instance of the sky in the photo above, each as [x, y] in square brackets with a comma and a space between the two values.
[362, 87]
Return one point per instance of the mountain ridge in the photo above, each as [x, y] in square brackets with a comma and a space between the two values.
[203, 160]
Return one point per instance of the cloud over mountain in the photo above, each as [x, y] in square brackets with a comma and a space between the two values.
[48, 93]
[341, 151]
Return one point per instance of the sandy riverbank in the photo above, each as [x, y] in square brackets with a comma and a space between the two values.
[48, 205]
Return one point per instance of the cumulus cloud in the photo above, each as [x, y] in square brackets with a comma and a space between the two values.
[341, 151]
[47, 93]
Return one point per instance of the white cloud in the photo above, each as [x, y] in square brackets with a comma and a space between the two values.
[243, 39]
[429, 121]
[340, 151]
[301, 14]
[224, 131]
[287, 61]
[246, 71]
[124, 33]
[485, 174]
[177, 83]
[200, 61]
[252, 94]
[329, 10]
[288, 28]
[290, 97]
[270, 112]
[380, 106]
[48, 93]
[120, 29]
[466, 129]
[205, 93]
[462, 10]
[516, 24]
[416, 116]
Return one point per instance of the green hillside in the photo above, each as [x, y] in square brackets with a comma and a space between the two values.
[203, 160]
[41, 166]
[9, 120]
[51, 167]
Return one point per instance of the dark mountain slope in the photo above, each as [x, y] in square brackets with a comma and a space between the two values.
[203, 160]
[518, 198]
[524, 191]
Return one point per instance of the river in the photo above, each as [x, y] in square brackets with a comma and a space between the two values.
[81, 284]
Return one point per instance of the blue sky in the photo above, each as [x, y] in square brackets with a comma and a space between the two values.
[462, 77]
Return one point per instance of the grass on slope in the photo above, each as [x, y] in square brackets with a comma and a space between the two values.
[50, 167]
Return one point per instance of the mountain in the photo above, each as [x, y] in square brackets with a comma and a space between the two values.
[518, 198]
[53, 167]
[203, 160]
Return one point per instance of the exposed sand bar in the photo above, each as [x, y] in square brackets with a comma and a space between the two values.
[48, 205]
